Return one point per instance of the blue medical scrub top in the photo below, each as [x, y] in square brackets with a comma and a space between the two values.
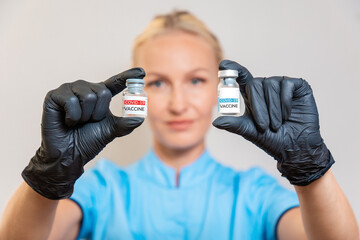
[207, 201]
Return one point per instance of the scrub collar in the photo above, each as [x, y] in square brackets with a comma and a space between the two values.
[159, 173]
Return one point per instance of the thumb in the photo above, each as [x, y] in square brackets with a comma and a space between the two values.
[95, 136]
[242, 125]
[125, 125]
[117, 83]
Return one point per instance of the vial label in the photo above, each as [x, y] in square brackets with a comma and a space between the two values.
[135, 106]
[229, 101]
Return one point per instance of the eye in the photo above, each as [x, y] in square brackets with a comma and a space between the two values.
[156, 83]
[197, 81]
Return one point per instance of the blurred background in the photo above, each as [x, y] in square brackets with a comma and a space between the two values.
[44, 43]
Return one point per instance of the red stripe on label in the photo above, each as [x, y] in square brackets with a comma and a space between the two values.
[134, 102]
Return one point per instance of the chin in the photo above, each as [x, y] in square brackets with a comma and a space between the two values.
[180, 143]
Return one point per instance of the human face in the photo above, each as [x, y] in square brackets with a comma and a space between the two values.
[181, 83]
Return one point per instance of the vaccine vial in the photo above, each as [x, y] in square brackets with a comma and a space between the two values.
[134, 98]
[228, 93]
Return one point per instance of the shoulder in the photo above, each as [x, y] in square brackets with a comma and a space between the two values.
[250, 177]
[258, 176]
[103, 169]
[101, 176]
[251, 182]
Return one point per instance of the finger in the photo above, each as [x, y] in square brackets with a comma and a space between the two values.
[256, 103]
[288, 88]
[244, 75]
[117, 83]
[87, 99]
[243, 126]
[125, 125]
[69, 103]
[103, 101]
[272, 96]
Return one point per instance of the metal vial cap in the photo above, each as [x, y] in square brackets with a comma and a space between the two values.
[228, 73]
[135, 81]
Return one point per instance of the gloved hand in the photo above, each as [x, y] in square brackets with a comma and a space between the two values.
[76, 125]
[282, 119]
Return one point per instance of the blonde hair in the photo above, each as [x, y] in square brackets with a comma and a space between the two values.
[177, 21]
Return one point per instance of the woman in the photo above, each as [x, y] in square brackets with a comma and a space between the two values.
[178, 191]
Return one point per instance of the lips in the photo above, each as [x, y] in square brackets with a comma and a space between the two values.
[180, 125]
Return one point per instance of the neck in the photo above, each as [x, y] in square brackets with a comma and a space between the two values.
[178, 158]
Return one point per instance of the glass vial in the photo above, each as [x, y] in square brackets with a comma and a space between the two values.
[228, 93]
[134, 98]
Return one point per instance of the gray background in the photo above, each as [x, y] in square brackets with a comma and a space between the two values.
[45, 43]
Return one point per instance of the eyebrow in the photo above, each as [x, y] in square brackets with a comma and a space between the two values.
[199, 69]
[192, 71]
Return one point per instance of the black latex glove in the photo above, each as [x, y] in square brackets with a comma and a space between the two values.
[76, 125]
[282, 119]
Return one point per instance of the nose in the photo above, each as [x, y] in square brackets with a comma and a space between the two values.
[178, 101]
